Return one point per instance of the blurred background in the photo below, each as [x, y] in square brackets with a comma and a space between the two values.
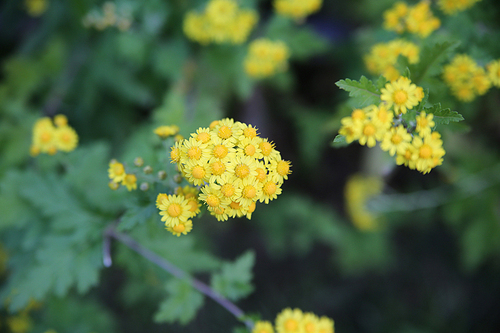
[423, 258]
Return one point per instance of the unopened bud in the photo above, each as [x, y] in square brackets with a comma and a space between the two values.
[147, 170]
[138, 162]
[178, 178]
[162, 174]
[114, 186]
[144, 186]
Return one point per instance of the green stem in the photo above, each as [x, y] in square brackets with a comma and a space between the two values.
[164, 264]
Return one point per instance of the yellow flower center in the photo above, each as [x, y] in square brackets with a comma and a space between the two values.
[227, 190]
[250, 150]
[283, 168]
[204, 137]
[241, 171]
[198, 172]
[310, 327]
[118, 169]
[235, 205]
[269, 188]
[174, 210]
[66, 137]
[408, 155]
[400, 97]
[174, 155]
[179, 228]
[250, 132]
[291, 324]
[218, 168]
[193, 205]
[266, 148]
[220, 151]
[212, 200]
[225, 132]
[45, 137]
[261, 174]
[194, 153]
[422, 122]
[425, 151]
[396, 139]
[369, 130]
[249, 192]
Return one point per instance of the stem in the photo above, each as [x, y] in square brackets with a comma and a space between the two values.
[164, 264]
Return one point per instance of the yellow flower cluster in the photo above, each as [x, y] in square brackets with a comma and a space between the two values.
[296, 321]
[178, 209]
[466, 78]
[493, 69]
[358, 190]
[117, 176]
[265, 58]
[166, 131]
[110, 17]
[297, 9]
[417, 19]
[383, 57]
[50, 137]
[221, 22]
[36, 7]
[451, 7]
[415, 145]
[233, 165]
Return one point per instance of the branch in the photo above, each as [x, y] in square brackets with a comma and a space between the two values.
[111, 232]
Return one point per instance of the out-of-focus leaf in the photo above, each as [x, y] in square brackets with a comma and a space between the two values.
[234, 280]
[181, 304]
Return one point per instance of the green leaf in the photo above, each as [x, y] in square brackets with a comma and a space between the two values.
[431, 58]
[234, 280]
[364, 90]
[443, 116]
[339, 141]
[182, 303]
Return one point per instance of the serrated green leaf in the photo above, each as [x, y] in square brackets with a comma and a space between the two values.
[380, 83]
[424, 100]
[339, 141]
[364, 91]
[182, 303]
[234, 280]
[443, 116]
[431, 58]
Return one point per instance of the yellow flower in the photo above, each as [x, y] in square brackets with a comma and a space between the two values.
[265, 58]
[406, 157]
[297, 9]
[420, 20]
[394, 17]
[263, 327]
[371, 132]
[130, 181]
[309, 323]
[493, 69]
[60, 120]
[182, 228]
[325, 325]
[396, 140]
[383, 56]
[451, 7]
[279, 170]
[428, 152]
[66, 138]
[20, 323]
[358, 190]
[270, 191]
[36, 7]
[166, 131]
[401, 94]
[174, 209]
[116, 171]
[424, 124]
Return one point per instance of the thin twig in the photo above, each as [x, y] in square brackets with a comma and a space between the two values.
[111, 232]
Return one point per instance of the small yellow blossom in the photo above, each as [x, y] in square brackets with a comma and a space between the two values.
[417, 19]
[166, 131]
[358, 190]
[325, 325]
[451, 7]
[297, 9]
[383, 57]
[130, 181]
[36, 7]
[466, 78]
[401, 94]
[396, 140]
[289, 321]
[116, 171]
[181, 229]
[66, 138]
[263, 327]
[424, 124]
[174, 209]
[265, 58]
[428, 152]
[49, 139]
[493, 69]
